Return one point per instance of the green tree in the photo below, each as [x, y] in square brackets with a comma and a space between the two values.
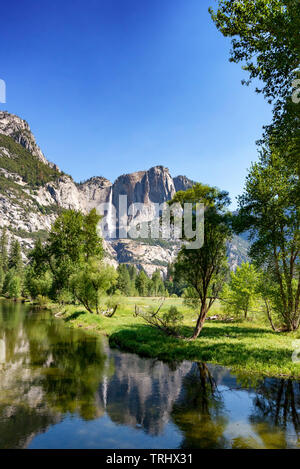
[15, 260]
[36, 285]
[269, 210]
[2, 277]
[157, 284]
[173, 285]
[92, 244]
[204, 270]
[72, 240]
[4, 250]
[124, 281]
[6, 282]
[243, 289]
[91, 281]
[142, 283]
[265, 37]
[133, 274]
[14, 289]
[269, 292]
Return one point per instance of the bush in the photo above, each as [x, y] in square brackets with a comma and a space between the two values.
[42, 301]
[173, 318]
[169, 322]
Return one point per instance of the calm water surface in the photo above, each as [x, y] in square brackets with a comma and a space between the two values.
[64, 388]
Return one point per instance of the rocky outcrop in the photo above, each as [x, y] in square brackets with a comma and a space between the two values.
[153, 186]
[145, 256]
[94, 191]
[182, 183]
[19, 130]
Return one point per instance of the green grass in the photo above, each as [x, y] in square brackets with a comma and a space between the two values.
[245, 347]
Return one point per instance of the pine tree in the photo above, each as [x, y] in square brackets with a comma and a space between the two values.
[3, 250]
[142, 283]
[157, 284]
[15, 257]
[123, 282]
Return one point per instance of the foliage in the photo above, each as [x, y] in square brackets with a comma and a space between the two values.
[15, 257]
[142, 283]
[167, 322]
[269, 210]
[38, 285]
[204, 270]
[173, 317]
[124, 281]
[91, 280]
[242, 291]
[42, 301]
[3, 250]
[72, 240]
[156, 285]
[265, 37]
[29, 167]
[14, 286]
[173, 285]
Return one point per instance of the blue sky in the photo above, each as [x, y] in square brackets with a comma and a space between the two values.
[114, 86]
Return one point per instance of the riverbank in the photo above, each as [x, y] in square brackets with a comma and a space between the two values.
[244, 347]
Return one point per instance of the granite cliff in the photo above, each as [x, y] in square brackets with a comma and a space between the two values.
[33, 191]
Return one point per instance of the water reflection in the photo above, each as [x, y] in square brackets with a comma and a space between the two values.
[199, 413]
[46, 370]
[276, 410]
[61, 387]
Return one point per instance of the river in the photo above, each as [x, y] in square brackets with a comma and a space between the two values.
[66, 388]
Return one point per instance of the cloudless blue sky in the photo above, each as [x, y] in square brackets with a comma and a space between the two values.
[115, 86]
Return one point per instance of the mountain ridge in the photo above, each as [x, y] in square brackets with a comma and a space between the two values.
[33, 191]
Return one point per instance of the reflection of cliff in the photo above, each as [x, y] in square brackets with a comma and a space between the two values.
[141, 393]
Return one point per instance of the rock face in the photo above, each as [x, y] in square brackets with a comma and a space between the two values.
[182, 183]
[154, 185]
[19, 130]
[29, 208]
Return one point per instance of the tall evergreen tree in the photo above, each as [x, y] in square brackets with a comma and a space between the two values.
[4, 250]
[142, 283]
[124, 281]
[157, 284]
[15, 257]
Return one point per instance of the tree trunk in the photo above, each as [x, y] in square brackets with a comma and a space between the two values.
[200, 321]
[269, 315]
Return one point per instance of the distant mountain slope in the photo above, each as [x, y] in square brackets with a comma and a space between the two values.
[33, 191]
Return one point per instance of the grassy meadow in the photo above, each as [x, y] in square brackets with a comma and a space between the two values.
[249, 347]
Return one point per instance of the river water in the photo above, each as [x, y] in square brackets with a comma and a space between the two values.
[65, 388]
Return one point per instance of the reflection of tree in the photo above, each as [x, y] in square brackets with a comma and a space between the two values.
[199, 413]
[45, 369]
[277, 405]
[71, 363]
[22, 423]
[23, 412]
